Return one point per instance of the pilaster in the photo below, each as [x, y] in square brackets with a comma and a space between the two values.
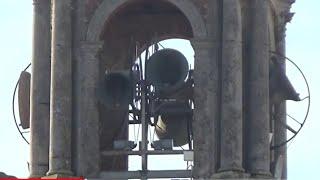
[206, 95]
[87, 153]
[280, 132]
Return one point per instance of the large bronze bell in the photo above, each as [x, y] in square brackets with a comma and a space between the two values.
[173, 127]
[167, 69]
[116, 91]
[173, 121]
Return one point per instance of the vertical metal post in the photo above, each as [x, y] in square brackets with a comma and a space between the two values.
[144, 145]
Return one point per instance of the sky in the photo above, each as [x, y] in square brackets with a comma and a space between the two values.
[302, 47]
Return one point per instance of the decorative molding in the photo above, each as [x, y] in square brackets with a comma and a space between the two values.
[199, 43]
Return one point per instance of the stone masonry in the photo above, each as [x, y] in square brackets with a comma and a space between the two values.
[76, 41]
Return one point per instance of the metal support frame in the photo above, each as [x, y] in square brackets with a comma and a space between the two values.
[145, 174]
[144, 115]
[144, 152]
[155, 152]
[144, 145]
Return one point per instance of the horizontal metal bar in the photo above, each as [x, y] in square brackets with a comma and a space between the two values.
[155, 152]
[147, 174]
[134, 122]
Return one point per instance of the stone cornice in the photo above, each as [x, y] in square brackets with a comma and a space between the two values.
[283, 15]
[282, 9]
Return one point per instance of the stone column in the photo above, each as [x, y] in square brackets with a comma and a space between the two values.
[258, 85]
[214, 35]
[280, 131]
[40, 89]
[87, 155]
[206, 105]
[61, 90]
[231, 92]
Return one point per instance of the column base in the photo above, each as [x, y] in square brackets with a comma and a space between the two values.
[231, 174]
[38, 170]
[59, 174]
[35, 176]
[262, 175]
[231, 169]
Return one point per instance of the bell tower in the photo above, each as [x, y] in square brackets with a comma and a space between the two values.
[84, 79]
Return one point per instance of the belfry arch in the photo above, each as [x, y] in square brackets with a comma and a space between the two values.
[121, 25]
[107, 8]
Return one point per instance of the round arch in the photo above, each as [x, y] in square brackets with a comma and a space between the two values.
[107, 7]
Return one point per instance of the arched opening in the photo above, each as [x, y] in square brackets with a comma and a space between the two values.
[138, 23]
[160, 162]
[127, 32]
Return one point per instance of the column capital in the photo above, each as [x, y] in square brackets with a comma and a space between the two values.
[281, 31]
[198, 43]
[91, 46]
[35, 2]
[203, 47]
[39, 2]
